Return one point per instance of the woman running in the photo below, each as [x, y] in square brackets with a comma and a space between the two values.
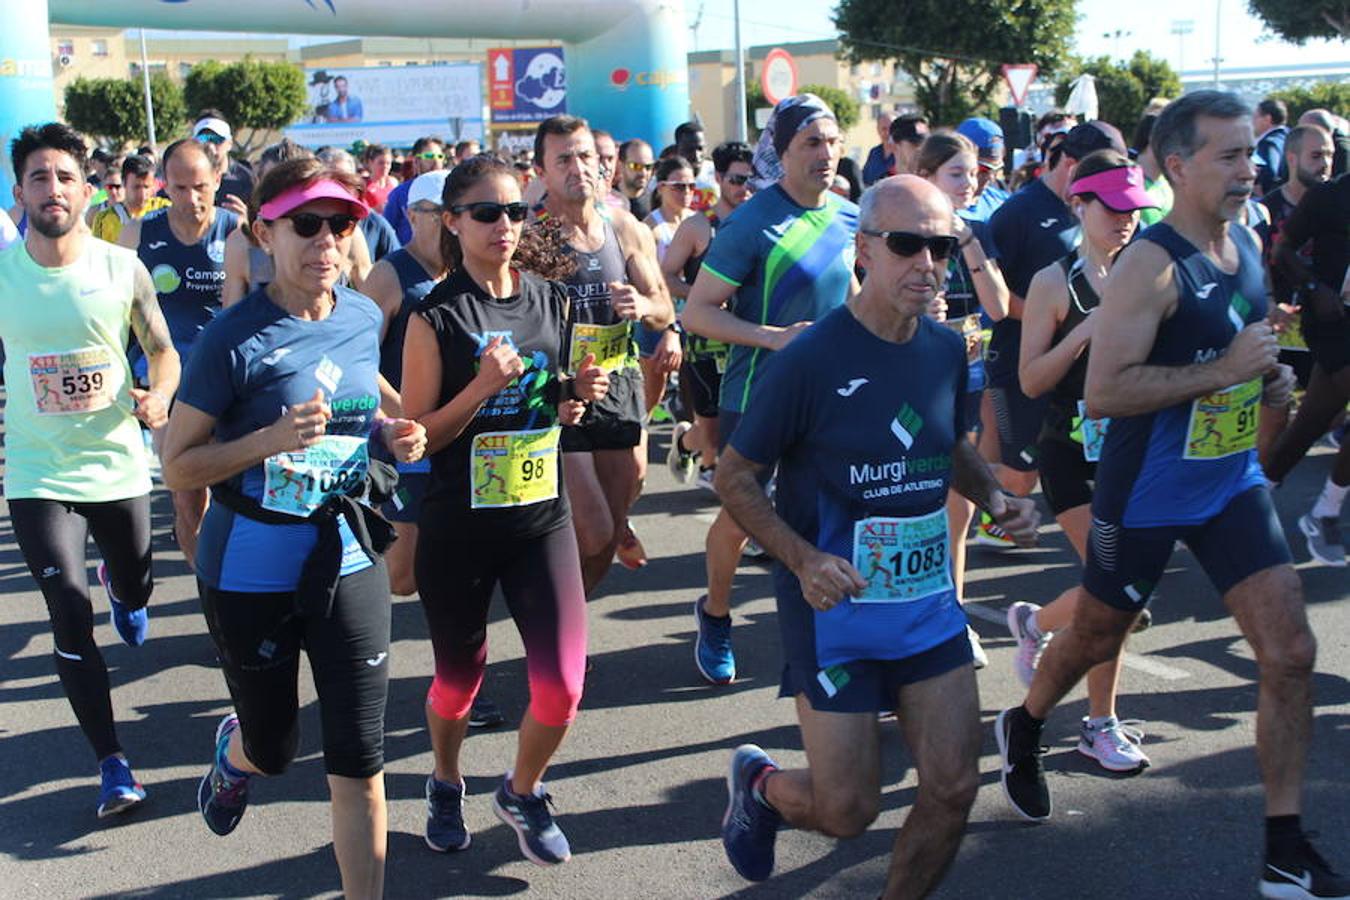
[1106, 194]
[282, 390]
[482, 362]
[975, 286]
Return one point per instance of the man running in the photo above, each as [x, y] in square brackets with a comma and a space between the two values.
[616, 283]
[704, 360]
[428, 154]
[183, 248]
[236, 176]
[784, 260]
[1183, 332]
[75, 463]
[138, 187]
[865, 460]
[636, 165]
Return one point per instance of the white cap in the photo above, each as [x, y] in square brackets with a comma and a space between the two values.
[428, 188]
[213, 125]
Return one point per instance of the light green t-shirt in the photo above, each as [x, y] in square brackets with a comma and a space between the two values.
[1161, 192]
[70, 433]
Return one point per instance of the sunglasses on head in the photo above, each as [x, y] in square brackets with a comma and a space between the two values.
[640, 167]
[431, 154]
[307, 225]
[905, 243]
[488, 212]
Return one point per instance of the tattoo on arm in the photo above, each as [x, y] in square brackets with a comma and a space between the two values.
[147, 321]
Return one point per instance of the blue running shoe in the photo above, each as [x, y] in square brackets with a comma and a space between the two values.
[132, 625]
[120, 790]
[222, 800]
[541, 840]
[445, 816]
[749, 827]
[712, 647]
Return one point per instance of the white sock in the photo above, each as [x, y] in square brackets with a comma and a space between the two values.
[1330, 501]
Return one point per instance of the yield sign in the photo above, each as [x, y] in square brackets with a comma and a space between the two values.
[1019, 78]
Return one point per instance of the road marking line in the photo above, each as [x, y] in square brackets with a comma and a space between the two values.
[1145, 664]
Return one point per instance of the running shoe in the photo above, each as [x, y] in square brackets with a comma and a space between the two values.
[1324, 539]
[1145, 617]
[683, 464]
[1023, 777]
[445, 816]
[222, 801]
[484, 713]
[749, 827]
[630, 553]
[1114, 744]
[540, 838]
[132, 624]
[1029, 649]
[991, 535]
[119, 790]
[712, 647]
[980, 658]
[1303, 875]
[660, 414]
[705, 478]
[753, 550]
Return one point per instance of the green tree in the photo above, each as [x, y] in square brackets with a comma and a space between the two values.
[1331, 95]
[256, 96]
[1298, 20]
[1124, 89]
[845, 108]
[953, 50]
[112, 110]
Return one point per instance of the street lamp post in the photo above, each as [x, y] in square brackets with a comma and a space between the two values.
[1181, 28]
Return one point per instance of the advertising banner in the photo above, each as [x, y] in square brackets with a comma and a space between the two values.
[526, 84]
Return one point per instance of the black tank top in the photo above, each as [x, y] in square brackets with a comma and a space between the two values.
[1064, 396]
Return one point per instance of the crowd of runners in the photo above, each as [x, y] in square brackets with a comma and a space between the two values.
[356, 386]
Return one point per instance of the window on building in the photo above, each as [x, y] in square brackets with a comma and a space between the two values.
[876, 70]
[99, 47]
[65, 47]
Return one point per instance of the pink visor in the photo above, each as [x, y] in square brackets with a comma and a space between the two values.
[1121, 189]
[324, 189]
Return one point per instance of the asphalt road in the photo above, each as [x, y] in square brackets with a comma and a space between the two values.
[639, 784]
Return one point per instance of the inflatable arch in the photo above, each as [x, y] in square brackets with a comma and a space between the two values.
[626, 66]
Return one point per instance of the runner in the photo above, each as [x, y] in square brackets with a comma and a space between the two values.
[974, 292]
[284, 383]
[1322, 221]
[879, 159]
[139, 186]
[428, 155]
[990, 191]
[607, 159]
[1268, 121]
[111, 189]
[1180, 335]
[1031, 230]
[236, 176]
[483, 361]
[857, 477]
[1154, 182]
[636, 165]
[379, 160]
[74, 460]
[695, 444]
[659, 352]
[616, 283]
[380, 239]
[1106, 193]
[908, 132]
[183, 248]
[784, 260]
[691, 144]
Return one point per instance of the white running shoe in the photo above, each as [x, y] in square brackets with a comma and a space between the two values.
[1029, 649]
[1113, 744]
[683, 464]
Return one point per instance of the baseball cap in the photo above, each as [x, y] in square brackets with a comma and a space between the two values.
[215, 126]
[1090, 136]
[427, 188]
[987, 138]
[299, 195]
[1121, 188]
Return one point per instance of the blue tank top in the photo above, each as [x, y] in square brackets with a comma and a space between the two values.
[1165, 467]
[415, 283]
[188, 277]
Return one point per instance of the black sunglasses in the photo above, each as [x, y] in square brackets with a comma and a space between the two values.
[737, 180]
[904, 243]
[308, 224]
[488, 212]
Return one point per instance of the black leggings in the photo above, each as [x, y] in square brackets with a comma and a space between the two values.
[259, 637]
[52, 535]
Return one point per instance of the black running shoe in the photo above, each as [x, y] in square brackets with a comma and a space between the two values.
[485, 714]
[1023, 777]
[1303, 875]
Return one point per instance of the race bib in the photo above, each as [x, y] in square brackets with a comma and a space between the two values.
[73, 381]
[609, 343]
[969, 329]
[903, 560]
[1091, 433]
[298, 483]
[513, 468]
[1224, 423]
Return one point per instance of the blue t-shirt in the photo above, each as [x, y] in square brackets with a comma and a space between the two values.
[1173, 466]
[380, 236]
[788, 263]
[985, 205]
[853, 441]
[252, 363]
[396, 210]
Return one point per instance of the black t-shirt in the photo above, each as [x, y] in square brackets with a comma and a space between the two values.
[238, 180]
[640, 206]
[1323, 217]
[534, 321]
